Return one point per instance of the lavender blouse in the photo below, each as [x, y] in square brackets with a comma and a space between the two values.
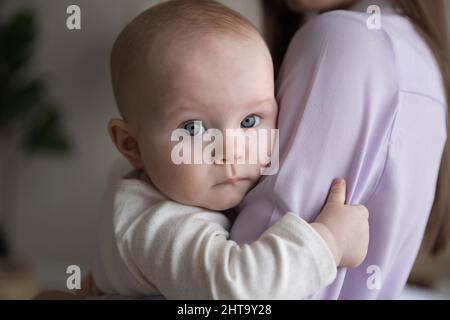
[367, 105]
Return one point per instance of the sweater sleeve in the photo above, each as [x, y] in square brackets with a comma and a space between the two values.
[187, 255]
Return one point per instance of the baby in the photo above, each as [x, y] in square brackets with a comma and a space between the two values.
[194, 66]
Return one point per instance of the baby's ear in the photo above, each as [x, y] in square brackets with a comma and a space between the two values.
[125, 142]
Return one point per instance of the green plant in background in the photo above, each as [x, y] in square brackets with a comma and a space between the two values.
[25, 112]
[23, 105]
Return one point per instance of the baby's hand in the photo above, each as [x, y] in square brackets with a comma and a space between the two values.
[345, 228]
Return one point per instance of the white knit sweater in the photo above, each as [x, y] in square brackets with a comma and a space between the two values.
[149, 245]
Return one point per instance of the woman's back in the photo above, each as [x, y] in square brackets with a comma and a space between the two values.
[368, 105]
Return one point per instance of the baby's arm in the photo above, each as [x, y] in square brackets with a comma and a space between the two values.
[189, 256]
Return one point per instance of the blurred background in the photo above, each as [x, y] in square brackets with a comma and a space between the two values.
[56, 156]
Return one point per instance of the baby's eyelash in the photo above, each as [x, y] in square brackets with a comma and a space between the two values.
[255, 114]
[191, 120]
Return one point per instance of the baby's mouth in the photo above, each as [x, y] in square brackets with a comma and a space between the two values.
[233, 180]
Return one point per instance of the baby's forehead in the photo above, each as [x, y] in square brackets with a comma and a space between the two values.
[178, 24]
[163, 35]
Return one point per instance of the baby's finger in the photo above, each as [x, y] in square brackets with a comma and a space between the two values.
[362, 209]
[337, 191]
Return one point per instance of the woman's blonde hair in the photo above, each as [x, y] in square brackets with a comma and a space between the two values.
[430, 19]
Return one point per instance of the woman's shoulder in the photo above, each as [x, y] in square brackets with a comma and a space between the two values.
[348, 33]
[394, 50]
[340, 44]
[345, 61]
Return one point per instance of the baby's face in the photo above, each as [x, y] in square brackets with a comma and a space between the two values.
[219, 83]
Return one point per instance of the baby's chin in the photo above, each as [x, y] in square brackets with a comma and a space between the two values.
[218, 197]
[222, 199]
[223, 204]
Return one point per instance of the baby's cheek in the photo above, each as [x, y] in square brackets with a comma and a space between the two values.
[188, 178]
[173, 181]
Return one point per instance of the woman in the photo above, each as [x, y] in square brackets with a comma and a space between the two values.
[368, 104]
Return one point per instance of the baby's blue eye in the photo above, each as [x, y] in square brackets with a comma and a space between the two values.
[250, 121]
[194, 127]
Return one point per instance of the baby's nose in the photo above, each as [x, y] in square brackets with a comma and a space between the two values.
[227, 157]
[233, 150]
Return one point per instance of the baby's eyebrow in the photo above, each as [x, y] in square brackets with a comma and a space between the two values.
[179, 109]
[258, 103]
[268, 102]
